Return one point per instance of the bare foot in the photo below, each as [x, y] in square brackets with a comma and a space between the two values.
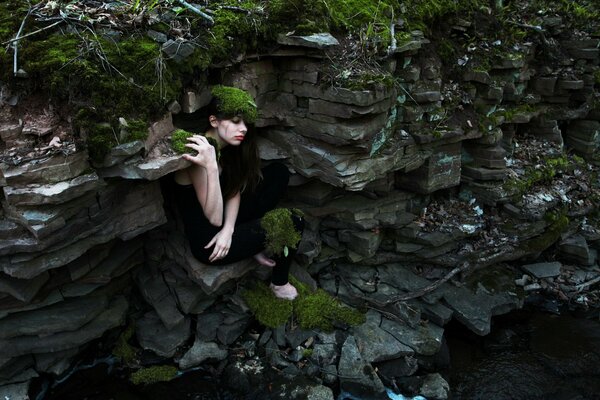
[264, 260]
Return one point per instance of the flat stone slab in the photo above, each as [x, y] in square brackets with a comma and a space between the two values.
[22, 289]
[543, 270]
[68, 315]
[314, 41]
[424, 339]
[200, 352]
[375, 344]
[153, 335]
[209, 277]
[52, 169]
[52, 193]
[111, 318]
[356, 375]
[475, 309]
[149, 169]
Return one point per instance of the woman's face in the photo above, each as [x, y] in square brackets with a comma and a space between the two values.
[230, 131]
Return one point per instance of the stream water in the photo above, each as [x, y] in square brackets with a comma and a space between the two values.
[528, 355]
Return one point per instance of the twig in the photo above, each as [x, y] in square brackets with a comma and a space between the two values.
[393, 43]
[15, 45]
[15, 39]
[582, 286]
[533, 27]
[196, 10]
[412, 295]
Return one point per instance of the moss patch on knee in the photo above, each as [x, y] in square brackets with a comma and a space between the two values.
[281, 234]
[312, 309]
[160, 373]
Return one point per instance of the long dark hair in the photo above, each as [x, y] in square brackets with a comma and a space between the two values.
[240, 164]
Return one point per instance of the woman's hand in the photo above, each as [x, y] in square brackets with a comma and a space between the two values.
[222, 243]
[206, 152]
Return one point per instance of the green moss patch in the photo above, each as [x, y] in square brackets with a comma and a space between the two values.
[313, 310]
[179, 140]
[160, 373]
[235, 102]
[281, 234]
[123, 349]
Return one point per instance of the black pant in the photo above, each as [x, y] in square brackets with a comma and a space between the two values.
[249, 237]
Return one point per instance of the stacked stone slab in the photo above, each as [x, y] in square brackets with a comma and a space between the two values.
[65, 254]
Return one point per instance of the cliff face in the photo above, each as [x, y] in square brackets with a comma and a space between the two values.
[458, 150]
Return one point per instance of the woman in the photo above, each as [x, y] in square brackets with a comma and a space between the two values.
[221, 199]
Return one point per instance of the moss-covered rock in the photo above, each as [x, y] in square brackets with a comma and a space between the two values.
[125, 351]
[159, 373]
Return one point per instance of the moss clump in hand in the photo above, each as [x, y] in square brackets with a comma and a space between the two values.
[179, 140]
[312, 309]
[235, 102]
[281, 234]
[160, 373]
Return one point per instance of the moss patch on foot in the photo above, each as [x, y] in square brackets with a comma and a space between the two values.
[312, 309]
[160, 373]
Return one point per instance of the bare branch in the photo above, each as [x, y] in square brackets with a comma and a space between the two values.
[17, 38]
[196, 10]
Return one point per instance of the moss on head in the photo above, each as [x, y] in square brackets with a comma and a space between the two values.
[235, 102]
[313, 310]
[281, 234]
[160, 373]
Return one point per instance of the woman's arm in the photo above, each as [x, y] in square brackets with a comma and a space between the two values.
[222, 240]
[204, 175]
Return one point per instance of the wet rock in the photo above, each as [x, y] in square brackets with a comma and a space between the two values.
[431, 386]
[111, 318]
[177, 50]
[324, 354]
[52, 193]
[200, 352]
[152, 334]
[575, 248]
[16, 391]
[192, 101]
[543, 270]
[425, 339]
[356, 375]
[55, 363]
[227, 334]
[399, 367]
[375, 344]
[207, 325]
[157, 293]
[52, 169]
[68, 315]
[316, 40]
[475, 309]
[22, 289]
